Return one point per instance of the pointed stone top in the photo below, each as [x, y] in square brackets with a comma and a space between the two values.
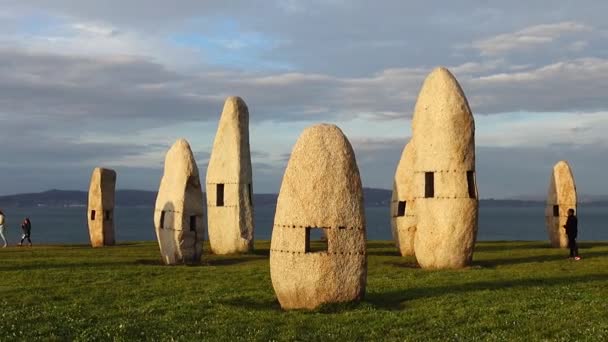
[441, 86]
[321, 186]
[180, 143]
[562, 187]
[180, 157]
[230, 160]
[234, 107]
[562, 164]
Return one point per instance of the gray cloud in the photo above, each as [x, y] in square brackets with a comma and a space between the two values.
[316, 61]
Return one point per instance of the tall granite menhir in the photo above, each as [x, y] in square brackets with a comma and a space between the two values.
[229, 183]
[321, 191]
[446, 190]
[178, 213]
[101, 207]
[403, 217]
[561, 197]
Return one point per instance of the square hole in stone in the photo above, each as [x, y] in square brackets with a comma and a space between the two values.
[316, 240]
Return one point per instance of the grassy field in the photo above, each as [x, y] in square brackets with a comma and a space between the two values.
[514, 291]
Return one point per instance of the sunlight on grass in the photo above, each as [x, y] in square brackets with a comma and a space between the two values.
[514, 290]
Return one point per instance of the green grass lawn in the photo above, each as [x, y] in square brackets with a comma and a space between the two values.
[514, 291]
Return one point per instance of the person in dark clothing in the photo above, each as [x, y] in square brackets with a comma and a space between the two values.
[26, 228]
[572, 231]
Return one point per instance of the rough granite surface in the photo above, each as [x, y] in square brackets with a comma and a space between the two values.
[101, 201]
[444, 134]
[230, 226]
[562, 192]
[404, 227]
[180, 198]
[321, 189]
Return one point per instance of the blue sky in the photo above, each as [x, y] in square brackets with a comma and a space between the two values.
[115, 83]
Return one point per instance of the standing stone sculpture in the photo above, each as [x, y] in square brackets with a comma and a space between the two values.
[101, 207]
[229, 183]
[446, 190]
[178, 213]
[403, 217]
[321, 191]
[561, 197]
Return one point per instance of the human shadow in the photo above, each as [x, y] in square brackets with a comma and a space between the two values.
[394, 300]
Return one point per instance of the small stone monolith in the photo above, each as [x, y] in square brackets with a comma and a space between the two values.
[560, 198]
[101, 207]
[446, 190]
[229, 183]
[179, 212]
[321, 191]
[403, 215]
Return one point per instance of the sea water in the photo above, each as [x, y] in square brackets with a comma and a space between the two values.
[69, 224]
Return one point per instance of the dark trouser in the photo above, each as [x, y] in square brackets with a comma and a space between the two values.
[26, 236]
[573, 246]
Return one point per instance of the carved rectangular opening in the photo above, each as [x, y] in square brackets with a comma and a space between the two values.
[316, 241]
[556, 210]
[192, 223]
[92, 215]
[471, 184]
[250, 194]
[162, 219]
[429, 184]
[219, 195]
[401, 208]
[107, 215]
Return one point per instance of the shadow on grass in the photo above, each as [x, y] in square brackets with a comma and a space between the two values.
[403, 264]
[586, 253]
[50, 266]
[233, 261]
[501, 246]
[250, 304]
[394, 300]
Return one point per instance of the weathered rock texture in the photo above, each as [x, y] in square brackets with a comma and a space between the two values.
[321, 189]
[561, 197]
[403, 215]
[446, 191]
[101, 207]
[179, 213]
[229, 183]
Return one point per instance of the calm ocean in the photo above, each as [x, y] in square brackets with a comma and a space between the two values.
[68, 225]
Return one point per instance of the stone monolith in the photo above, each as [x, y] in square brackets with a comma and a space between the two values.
[229, 183]
[403, 217]
[446, 190]
[321, 190]
[101, 207]
[179, 213]
[561, 197]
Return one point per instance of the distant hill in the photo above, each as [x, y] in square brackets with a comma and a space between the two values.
[142, 198]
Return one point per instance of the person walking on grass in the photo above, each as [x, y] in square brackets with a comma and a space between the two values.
[26, 228]
[2, 229]
[572, 231]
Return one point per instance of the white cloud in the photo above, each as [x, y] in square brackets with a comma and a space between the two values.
[542, 130]
[529, 38]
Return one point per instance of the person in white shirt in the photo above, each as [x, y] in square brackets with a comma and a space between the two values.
[2, 228]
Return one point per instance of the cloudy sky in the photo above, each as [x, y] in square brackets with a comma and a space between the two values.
[115, 83]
